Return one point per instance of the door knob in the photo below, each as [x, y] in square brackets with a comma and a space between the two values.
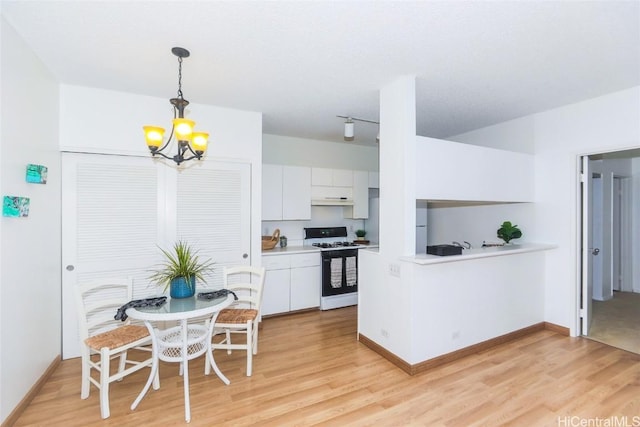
[595, 251]
[70, 267]
[245, 256]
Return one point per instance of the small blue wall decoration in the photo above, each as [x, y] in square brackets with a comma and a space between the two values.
[36, 174]
[14, 206]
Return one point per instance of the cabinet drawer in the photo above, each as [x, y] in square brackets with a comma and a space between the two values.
[276, 262]
[305, 260]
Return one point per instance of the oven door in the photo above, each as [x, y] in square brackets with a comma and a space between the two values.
[339, 272]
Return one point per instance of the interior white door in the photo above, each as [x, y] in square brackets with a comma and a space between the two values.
[117, 210]
[588, 250]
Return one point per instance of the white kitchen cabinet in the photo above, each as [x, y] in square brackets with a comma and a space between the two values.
[331, 186]
[331, 177]
[296, 192]
[292, 282]
[275, 298]
[286, 192]
[322, 176]
[342, 178]
[306, 279]
[271, 192]
[360, 195]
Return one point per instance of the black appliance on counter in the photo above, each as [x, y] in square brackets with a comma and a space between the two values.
[444, 250]
[339, 266]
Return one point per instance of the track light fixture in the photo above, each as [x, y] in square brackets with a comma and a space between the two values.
[349, 127]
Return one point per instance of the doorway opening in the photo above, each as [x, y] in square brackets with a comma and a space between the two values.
[610, 243]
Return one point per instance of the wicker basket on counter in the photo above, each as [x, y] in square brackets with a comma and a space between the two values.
[270, 242]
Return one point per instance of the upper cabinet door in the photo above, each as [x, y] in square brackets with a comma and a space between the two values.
[360, 194]
[331, 177]
[296, 192]
[322, 176]
[342, 178]
[271, 192]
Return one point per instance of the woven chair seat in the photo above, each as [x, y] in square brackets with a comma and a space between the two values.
[117, 337]
[236, 315]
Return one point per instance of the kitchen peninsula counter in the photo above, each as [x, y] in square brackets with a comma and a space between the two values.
[486, 252]
[424, 309]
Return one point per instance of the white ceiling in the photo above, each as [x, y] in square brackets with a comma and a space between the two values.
[302, 63]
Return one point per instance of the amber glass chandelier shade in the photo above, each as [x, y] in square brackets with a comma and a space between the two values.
[199, 141]
[183, 129]
[154, 135]
[191, 145]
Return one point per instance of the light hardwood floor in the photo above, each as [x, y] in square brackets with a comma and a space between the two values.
[310, 370]
[617, 321]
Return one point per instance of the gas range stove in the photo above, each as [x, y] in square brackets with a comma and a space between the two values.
[328, 238]
[335, 245]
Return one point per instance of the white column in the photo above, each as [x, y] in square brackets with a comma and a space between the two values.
[397, 167]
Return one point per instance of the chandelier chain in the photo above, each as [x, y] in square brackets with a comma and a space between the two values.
[180, 78]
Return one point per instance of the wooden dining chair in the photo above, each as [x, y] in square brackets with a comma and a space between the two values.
[102, 338]
[243, 316]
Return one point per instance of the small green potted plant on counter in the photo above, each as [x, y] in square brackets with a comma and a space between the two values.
[180, 269]
[508, 232]
[360, 234]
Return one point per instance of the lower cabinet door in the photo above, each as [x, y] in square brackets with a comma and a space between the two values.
[305, 287]
[275, 298]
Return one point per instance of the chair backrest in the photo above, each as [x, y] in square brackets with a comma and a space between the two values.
[97, 302]
[247, 282]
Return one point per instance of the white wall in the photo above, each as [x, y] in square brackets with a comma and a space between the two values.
[321, 216]
[477, 224]
[447, 170]
[30, 247]
[560, 136]
[235, 135]
[514, 135]
[285, 150]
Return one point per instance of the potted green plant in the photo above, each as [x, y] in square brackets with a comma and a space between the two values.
[360, 234]
[508, 232]
[180, 269]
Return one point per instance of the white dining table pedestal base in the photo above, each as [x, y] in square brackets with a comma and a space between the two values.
[170, 345]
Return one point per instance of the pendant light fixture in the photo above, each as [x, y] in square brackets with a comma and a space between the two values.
[349, 127]
[349, 130]
[191, 145]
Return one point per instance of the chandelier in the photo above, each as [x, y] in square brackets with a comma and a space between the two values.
[191, 145]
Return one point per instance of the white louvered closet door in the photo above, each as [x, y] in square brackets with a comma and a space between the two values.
[117, 210]
[213, 213]
[110, 227]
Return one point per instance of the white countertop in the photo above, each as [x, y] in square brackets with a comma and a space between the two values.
[468, 254]
[288, 250]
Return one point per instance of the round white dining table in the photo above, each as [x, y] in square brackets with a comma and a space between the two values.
[170, 344]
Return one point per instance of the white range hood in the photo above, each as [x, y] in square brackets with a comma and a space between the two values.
[331, 196]
[332, 201]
